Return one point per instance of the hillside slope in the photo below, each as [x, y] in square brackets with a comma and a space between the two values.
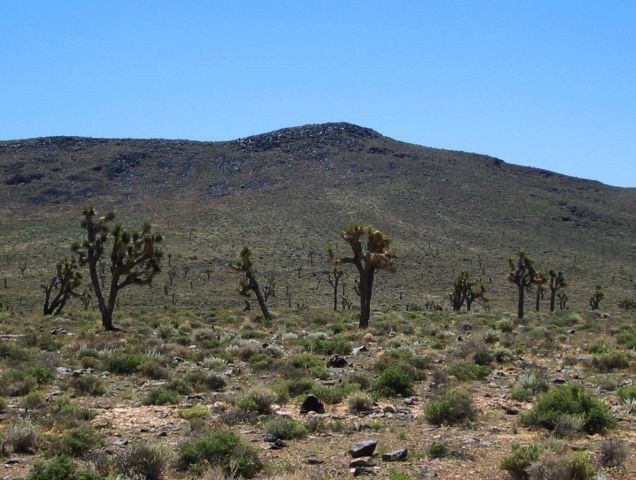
[287, 193]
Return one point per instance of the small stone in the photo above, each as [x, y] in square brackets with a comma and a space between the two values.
[357, 350]
[363, 449]
[120, 442]
[395, 455]
[315, 461]
[312, 404]
[16, 460]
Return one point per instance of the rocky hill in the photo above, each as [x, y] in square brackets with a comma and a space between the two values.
[287, 193]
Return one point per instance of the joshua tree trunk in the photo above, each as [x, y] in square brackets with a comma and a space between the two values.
[552, 298]
[520, 302]
[538, 302]
[366, 289]
[253, 285]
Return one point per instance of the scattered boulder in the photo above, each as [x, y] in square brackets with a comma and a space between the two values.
[312, 404]
[337, 361]
[395, 455]
[363, 472]
[363, 449]
[361, 462]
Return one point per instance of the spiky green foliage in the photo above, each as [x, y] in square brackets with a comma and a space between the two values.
[376, 256]
[134, 258]
[595, 299]
[556, 284]
[523, 275]
[66, 280]
[248, 282]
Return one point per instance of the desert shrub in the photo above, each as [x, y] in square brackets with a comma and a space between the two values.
[505, 325]
[88, 385]
[196, 411]
[13, 352]
[76, 442]
[205, 381]
[60, 468]
[451, 408]
[258, 400]
[570, 399]
[439, 377]
[64, 407]
[3, 404]
[123, 363]
[21, 436]
[161, 396]
[627, 340]
[154, 370]
[285, 428]
[627, 304]
[221, 448]
[519, 460]
[550, 467]
[330, 346]
[302, 364]
[614, 452]
[437, 450]
[627, 395]
[359, 402]
[565, 426]
[141, 460]
[580, 467]
[15, 383]
[414, 366]
[392, 382]
[293, 388]
[361, 379]
[335, 394]
[33, 401]
[609, 361]
[483, 357]
[529, 384]
[468, 371]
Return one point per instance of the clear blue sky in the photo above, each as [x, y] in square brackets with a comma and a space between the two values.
[547, 83]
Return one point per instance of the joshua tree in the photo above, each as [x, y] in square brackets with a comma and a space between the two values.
[134, 258]
[248, 282]
[333, 278]
[376, 257]
[540, 282]
[66, 280]
[464, 291]
[522, 274]
[563, 300]
[596, 298]
[557, 282]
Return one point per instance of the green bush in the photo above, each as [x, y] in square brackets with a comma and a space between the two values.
[33, 401]
[627, 394]
[520, 459]
[161, 396]
[468, 371]
[609, 361]
[333, 395]
[300, 365]
[257, 400]
[88, 385]
[570, 399]
[154, 370]
[285, 428]
[450, 409]
[196, 411]
[222, 448]
[21, 436]
[122, 363]
[438, 450]
[402, 359]
[60, 468]
[3, 404]
[66, 408]
[359, 402]
[76, 442]
[330, 346]
[142, 461]
[393, 382]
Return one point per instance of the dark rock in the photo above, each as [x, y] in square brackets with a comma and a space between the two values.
[395, 455]
[312, 404]
[16, 461]
[337, 361]
[363, 472]
[315, 461]
[363, 449]
[276, 445]
[425, 473]
[361, 462]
